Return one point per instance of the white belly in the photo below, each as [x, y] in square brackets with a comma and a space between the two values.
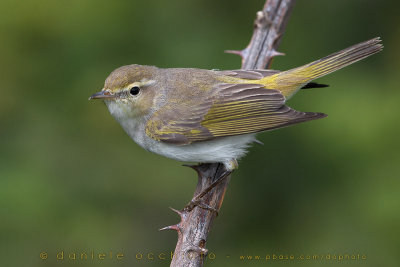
[224, 149]
[218, 150]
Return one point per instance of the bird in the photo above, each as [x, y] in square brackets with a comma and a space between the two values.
[213, 116]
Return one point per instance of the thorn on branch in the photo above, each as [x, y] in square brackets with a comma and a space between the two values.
[179, 212]
[275, 53]
[235, 52]
[171, 227]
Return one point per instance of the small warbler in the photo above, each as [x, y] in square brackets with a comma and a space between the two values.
[197, 115]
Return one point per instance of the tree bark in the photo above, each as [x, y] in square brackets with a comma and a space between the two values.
[269, 27]
[195, 224]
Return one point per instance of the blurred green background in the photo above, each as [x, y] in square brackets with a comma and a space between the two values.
[71, 180]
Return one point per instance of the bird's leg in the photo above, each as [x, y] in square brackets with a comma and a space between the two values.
[196, 201]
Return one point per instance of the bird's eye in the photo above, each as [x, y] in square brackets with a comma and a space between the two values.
[134, 90]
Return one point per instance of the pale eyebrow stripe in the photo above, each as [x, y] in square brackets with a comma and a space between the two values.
[143, 82]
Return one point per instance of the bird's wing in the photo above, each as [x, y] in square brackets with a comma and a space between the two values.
[249, 74]
[237, 109]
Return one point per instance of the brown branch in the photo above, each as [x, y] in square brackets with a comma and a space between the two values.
[269, 27]
[195, 224]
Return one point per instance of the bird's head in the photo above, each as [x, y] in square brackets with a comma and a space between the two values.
[129, 91]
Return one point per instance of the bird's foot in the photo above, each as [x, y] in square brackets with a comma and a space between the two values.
[199, 203]
[197, 200]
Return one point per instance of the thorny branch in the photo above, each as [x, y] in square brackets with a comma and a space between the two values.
[269, 27]
[195, 224]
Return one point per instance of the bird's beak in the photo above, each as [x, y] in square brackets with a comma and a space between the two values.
[102, 95]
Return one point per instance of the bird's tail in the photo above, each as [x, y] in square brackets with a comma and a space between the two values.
[289, 82]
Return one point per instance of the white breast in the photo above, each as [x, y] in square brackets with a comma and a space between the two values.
[222, 149]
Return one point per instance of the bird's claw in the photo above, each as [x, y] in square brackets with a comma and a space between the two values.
[199, 203]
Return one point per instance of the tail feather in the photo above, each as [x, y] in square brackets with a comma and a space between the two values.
[340, 59]
[314, 85]
[289, 82]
